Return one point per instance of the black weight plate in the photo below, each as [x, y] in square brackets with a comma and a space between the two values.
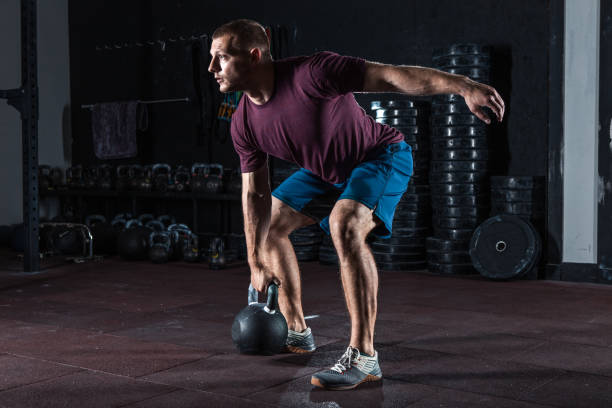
[412, 215]
[382, 246]
[418, 206]
[516, 196]
[304, 242]
[459, 200]
[471, 72]
[399, 257]
[462, 49]
[460, 154]
[448, 98]
[419, 146]
[504, 247]
[399, 240]
[457, 189]
[457, 257]
[410, 232]
[470, 60]
[517, 183]
[402, 266]
[459, 178]
[393, 113]
[456, 120]
[414, 198]
[518, 208]
[404, 121]
[451, 269]
[458, 211]
[447, 166]
[457, 222]
[416, 139]
[400, 222]
[446, 245]
[417, 189]
[536, 220]
[399, 104]
[458, 131]
[454, 234]
[460, 143]
[451, 109]
[422, 130]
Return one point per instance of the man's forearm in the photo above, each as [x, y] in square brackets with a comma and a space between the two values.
[412, 80]
[256, 210]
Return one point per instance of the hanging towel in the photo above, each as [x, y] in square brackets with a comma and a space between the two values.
[114, 130]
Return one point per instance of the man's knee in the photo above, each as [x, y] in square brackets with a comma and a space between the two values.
[350, 224]
[284, 220]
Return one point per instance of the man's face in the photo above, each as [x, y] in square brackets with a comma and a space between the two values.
[229, 64]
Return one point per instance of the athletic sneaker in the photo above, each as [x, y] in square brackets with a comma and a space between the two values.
[352, 369]
[301, 342]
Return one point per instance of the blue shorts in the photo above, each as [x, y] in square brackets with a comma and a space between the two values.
[378, 183]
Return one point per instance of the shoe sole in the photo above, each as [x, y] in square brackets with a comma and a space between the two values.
[297, 350]
[369, 378]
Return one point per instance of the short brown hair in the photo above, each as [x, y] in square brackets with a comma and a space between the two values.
[247, 33]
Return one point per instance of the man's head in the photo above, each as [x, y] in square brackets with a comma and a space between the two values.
[238, 47]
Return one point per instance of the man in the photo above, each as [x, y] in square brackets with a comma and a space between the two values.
[302, 110]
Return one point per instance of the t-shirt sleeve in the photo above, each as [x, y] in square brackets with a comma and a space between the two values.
[334, 74]
[251, 158]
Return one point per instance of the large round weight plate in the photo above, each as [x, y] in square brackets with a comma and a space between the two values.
[462, 49]
[453, 234]
[460, 143]
[447, 166]
[446, 245]
[517, 183]
[458, 131]
[458, 178]
[451, 269]
[457, 120]
[399, 104]
[460, 154]
[469, 60]
[504, 247]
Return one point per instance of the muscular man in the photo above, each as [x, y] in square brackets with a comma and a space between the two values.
[302, 110]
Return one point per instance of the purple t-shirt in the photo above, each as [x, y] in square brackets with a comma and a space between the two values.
[312, 119]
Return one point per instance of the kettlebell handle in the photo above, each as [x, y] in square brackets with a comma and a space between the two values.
[272, 303]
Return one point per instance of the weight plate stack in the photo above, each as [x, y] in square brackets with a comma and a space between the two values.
[505, 247]
[458, 176]
[306, 242]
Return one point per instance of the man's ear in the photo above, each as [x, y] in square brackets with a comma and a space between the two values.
[255, 55]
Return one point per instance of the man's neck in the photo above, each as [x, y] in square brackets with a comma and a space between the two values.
[263, 85]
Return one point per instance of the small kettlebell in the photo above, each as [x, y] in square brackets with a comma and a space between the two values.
[216, 253]
[159, 246]
[260, 328]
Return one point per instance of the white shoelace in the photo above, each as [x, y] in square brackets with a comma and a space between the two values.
[345, 361]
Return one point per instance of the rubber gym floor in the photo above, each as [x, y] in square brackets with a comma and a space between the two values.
[121, 334]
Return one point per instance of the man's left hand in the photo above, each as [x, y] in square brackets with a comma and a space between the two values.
[479, 95]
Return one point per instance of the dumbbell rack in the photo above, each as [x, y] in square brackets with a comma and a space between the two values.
[222, 201]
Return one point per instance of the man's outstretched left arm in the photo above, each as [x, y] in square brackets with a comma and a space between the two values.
[422, 81]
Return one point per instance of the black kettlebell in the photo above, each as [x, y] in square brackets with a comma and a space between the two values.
[191, 250]
[104, 238]
[181, 179]
[74, 177]
[199, 174]
[260, 328]
[162, 177]
[214, 181]
[179, 234]
[133, 241]
[123, 177]
[159, 246]
[67, 240]
[90, 178]
[216, 254]
[105, 177]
